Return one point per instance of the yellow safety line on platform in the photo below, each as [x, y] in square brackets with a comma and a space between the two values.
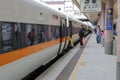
[79, 63]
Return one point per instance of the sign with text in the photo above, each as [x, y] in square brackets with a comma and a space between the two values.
[90, 5]
[109, 18]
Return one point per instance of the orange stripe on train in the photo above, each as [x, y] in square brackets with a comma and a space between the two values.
[17, 54]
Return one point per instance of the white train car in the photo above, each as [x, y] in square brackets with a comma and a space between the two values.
[25, 15]
[19, 54]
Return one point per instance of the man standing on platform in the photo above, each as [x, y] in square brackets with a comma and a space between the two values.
[81, 34]
[98, 37]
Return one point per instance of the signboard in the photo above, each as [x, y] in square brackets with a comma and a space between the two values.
[68, 7]
[90, 5]
[109, 18]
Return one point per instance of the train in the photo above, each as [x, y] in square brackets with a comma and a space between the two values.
[22, 52]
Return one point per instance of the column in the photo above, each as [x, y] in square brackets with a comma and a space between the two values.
[118, 43]
[103, 17]
[108, 27]
[99, 20]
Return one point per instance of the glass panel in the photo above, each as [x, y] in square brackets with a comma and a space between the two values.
[39, 33]
[44, 33]
[63, 31]
[55, 32]
[30, 33]
[17, 36]
[24, 40]
[7, 36]
[0, 38]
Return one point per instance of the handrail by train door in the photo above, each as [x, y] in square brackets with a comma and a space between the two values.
[65, 31]
[70, 32]
[60, 34]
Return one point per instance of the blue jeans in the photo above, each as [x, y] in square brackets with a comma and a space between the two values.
[98, 38]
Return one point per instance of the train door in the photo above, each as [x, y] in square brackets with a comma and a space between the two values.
[63, 34]
[70, 32]
[60, 35]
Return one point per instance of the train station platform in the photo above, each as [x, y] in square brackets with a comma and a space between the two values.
[88, 63]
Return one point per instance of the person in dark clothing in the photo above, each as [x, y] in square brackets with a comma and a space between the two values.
[17, 38]
[31, 36]
[114, 30]
[81, 34]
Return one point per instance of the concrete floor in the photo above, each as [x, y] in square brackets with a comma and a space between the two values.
[92, 65]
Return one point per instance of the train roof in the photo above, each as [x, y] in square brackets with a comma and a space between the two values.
[39, 3]
[26, 11]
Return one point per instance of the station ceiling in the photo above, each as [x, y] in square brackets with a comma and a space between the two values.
[94, 16]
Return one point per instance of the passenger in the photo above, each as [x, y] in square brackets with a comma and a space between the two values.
[31, 36]
[95, 31]
[40, 37]
[102, 37]
[43, 36]
[114, 30]
[81, 34]
[56, 34]
[102, 33]
[71, 42]
[98, 37]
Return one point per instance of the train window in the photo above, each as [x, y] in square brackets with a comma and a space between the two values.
[63, 31]
[75, 30]
[39, 33]
[0, 38]
[46, 33]
[55, 32]
[18, 35]
[72, 31]
[49, 36]
[7, 36]
[31, 32]
[42, 33]
[68, 31]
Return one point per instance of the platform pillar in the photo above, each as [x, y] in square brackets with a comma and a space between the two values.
[118, 43]
[103, 17]
[108, 27]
